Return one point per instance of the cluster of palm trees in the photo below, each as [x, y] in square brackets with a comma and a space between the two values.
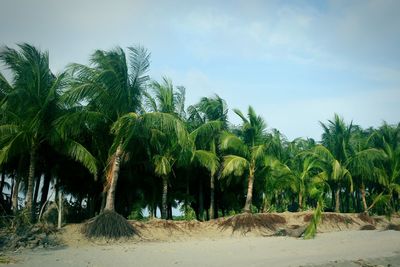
[111, 138]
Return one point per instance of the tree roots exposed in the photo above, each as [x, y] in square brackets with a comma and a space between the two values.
[110, 225]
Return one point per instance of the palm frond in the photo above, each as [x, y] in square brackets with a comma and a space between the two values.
[234, 165]
[207, 160]
[162, 165]
[230, 142]
[79, 153]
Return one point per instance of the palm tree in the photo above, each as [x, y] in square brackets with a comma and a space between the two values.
[336, 138]
[387, 139]
[336, 172]
[166, 139]
[30, 106]
[167, 104]
[246, 152]
[209, 118]
[110, 88]
[205, 155]
[364, 163]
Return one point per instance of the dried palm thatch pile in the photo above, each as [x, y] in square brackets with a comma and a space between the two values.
[109, 225]
[368, 227]
[366, 218]
[392, 226]
[333, 218]
[247, 222]
[337, 218]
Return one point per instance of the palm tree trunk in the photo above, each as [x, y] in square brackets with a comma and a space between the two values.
[60, 209]
[212, 196]
[3, 177]
[36, 191]
[31, 181]
[110, 201]
[45, 188]
[15, 194]
[201, 201]
[337, 199]
[300, 201]
[249, 197]
[164, 208]
[364, 201]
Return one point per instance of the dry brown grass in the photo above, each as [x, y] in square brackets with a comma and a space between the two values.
[366, 218]
[246, 222]
[337, 218]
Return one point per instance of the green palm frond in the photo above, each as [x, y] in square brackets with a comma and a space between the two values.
[79, 153]
[206, 132]
[258, 152]
[162, 164]
[230, 142]
[235, 165]
[207, 160]
[139, 59]
[166, 123]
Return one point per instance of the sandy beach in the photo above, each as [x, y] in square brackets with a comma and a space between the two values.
[346, 248]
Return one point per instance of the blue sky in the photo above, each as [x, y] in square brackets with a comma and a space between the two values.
[295, 62]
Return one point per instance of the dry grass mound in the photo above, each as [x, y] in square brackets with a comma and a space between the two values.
[337, 218]
[164, 224]
[247, 222]
[332, 217]
[368, 227]
[110, 225]
[366, 218]
[392, 226]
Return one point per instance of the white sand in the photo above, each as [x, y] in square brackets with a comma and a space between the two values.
[245, 251]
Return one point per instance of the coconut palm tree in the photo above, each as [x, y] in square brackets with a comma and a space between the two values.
[205, 154]
[166, 138]
[30, 106]
[246, 152]
[336, 138]
[364, 163]
[109, 88]
[208, 119]
[337, 173]
[387, 139]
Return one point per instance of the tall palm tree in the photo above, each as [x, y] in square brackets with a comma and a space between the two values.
[110, 88]
[387, 139]
[246, 152]
[209, 119]
[336, 138]
[337, 173]
[30, 106]
[166, 102]
[166, 138]
[205, 155]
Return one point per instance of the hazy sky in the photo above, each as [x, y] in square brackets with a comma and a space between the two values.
[295, 62]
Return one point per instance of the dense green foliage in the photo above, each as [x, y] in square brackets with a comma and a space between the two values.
[111, 138]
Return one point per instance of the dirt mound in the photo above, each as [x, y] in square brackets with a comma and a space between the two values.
[41, 235]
